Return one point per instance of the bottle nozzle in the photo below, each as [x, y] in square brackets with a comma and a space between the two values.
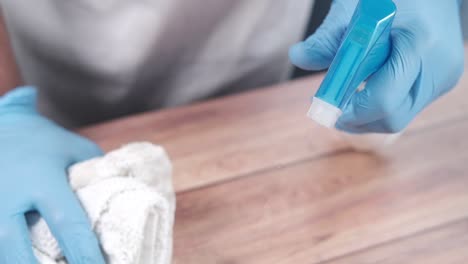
[324, 113]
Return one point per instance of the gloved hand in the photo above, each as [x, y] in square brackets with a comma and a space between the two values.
[426, 61]
[35, 154]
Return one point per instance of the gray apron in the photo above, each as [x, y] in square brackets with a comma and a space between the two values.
[95, 60]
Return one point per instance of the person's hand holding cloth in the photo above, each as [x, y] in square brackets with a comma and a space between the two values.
[34, 156]
[426, 61]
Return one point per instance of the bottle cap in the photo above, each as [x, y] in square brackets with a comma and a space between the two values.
[324, 113]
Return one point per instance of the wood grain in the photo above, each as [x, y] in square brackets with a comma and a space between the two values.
[318, 210]
[241, 135]
[443, 244]
[259, 183]
[218, 140]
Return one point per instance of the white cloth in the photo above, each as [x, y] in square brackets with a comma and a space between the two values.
[130, 201]
[99, 59]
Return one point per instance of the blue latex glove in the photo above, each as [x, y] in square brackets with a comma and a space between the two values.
[426, 61]
[35, 154]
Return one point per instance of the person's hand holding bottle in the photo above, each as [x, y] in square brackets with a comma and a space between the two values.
[426, 62]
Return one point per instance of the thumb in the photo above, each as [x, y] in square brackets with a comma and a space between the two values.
[21, 99]
[317, 51]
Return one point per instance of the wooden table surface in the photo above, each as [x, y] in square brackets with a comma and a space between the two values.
[257, 182]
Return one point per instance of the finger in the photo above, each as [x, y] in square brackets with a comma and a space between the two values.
[70, 226]
[15, 243]
[84, 149]
[420, 96]
[394, 123]
[78, 147]
[22, 98]
[318, 51]
[387, 89]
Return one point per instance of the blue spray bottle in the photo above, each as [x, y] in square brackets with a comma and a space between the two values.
[365, 48]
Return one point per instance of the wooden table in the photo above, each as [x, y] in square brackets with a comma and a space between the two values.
[257, 182]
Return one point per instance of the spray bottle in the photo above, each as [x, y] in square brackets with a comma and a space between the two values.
[365, 48]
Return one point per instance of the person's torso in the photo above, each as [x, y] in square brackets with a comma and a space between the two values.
[95, 60]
